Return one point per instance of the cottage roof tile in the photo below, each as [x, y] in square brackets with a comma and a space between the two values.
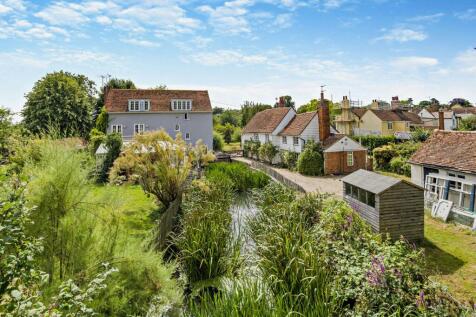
[266, 121]
[298, 123]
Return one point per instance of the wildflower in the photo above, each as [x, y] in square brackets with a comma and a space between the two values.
[420, 302]
[376, 273]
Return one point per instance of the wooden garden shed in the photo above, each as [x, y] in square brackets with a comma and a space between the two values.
[390, 205]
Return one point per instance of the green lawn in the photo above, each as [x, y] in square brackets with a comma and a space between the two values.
[232, 147]
[451, 257]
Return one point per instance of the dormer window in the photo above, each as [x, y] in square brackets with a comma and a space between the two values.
[139, 105]
[181, 104]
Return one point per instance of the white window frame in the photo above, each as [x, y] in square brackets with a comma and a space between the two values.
[139, 128]
[256, 137]
[266, 138]
[350, 158]
[295, 140]
[187, 136]
[390, 125]
[116, 128]
[181, 104]
[177, 127]
[146, 105]
[284, 139]
[138, 105]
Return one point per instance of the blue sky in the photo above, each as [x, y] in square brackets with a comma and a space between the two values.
[246, 49]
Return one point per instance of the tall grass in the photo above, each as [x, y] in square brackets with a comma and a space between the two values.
[207, 249]
[242, 177]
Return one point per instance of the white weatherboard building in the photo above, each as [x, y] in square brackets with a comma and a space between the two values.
[446, 167]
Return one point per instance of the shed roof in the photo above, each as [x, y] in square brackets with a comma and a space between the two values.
[373, 182]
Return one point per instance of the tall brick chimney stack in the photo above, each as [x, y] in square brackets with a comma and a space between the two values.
[324, 119]
[374, 105]
[281, 102]
[395, 104]
[441, 120]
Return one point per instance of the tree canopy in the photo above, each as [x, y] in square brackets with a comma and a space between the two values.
[114, 83]
[288, 102]
[5, 130]
[62, 101]
[460, 101]
[249, 109]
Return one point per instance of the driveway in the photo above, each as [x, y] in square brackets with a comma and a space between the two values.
[322, 184]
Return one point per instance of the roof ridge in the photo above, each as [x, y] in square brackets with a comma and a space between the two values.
[153, 89]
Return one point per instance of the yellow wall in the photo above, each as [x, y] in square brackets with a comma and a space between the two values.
[373, 123]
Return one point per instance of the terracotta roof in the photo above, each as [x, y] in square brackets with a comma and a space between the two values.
[331, 140]
[117, 99]
[448, 149]
[266, 121]
[359, 112]
[397, 115]
[298, 123]
[466, 110]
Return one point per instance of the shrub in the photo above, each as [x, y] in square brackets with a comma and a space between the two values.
[241, 176]
[393, 157]
[374, 141]
[251, 148]
[96, 137]
[267, 152]
[228, 133]
[207, 249]
[400, 166]
[468, 124]
[420, 135]
[236, 137]
[311, 160]
[113, 144]
[289, 159]
[217, 142]
[382, 157]
[102, 121]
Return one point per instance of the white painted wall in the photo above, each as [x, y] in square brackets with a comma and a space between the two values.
[417, 174]
[345, 144]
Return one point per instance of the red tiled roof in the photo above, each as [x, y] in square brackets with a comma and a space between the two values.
[298, 123]
[266, 121]
[359, 112]
[454, 150]
[397, 115]
[117, 99]
[333, 138]
[465, 110]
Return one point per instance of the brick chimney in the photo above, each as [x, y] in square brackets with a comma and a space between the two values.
[324, 119]
[441, 120]
[395, 104]
[281, 102]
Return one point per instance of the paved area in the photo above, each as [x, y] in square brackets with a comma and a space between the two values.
[323, 184]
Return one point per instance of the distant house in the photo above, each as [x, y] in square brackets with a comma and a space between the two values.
[445, 166]
[387, 122]
[133, 111]
[448, 115]
[390, 205]
[460, 114]
[289, 131]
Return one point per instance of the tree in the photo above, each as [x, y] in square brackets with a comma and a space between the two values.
[267, 152]
[217, 142]
[114, 83]
[218, 110]
[113, 144]
[228, 116]
[228, 130]
[288, 102]
[460, 101]
[468, 124]
[249, 109]
[62, 101]
[6, 126]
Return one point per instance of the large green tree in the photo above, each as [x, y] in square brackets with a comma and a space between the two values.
[5, 130]
[114, 83]
[288, 102]
[249, 109]
[61, 101]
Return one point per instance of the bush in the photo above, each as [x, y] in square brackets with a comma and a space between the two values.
[207, 249]
[102, 121]
[382, 157]
[267, 152]
[96, 137]
[468, 124]
[241, 176]
[289, 159]
[400, 166]
[217, 142]
[251, 148]
[393, 157]
[420, 135]
[374, 141]
[311, 160]
[113, 144]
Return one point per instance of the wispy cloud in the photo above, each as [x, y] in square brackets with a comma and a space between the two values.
[143, 43]
[226, 57]
[427, 18]
[230, 17]
[402, 34]
[466, 61]
[467, 15]
[409, 62]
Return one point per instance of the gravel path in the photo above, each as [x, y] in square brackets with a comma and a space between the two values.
[323, 184]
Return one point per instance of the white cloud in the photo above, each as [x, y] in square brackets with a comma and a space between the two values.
[283, 20]
[400, 34]
[225, 57]
[4, 9]
[143, 43]
[427, 18]
[201, 41]
[466, 62]
[468, 15]
[229, 18]
[410, 62]
[26, 30]
[104, 20]
[62, 14]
